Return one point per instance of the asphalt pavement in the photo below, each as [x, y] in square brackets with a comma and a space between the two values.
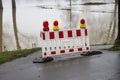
[104, 66]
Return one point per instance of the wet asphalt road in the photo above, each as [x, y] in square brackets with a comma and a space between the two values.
[104, 66]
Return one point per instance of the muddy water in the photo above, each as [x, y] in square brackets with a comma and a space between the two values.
[30, 16]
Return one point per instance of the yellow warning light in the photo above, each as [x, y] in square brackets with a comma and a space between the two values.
[82, 24]
[55, 25]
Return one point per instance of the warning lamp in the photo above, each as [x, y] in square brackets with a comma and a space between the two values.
[45, 26]
[55, 25]
[82, 24]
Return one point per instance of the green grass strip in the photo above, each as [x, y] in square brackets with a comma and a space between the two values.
[115, 48]
[11, 55]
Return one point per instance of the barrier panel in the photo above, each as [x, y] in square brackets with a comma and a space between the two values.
[64, 42]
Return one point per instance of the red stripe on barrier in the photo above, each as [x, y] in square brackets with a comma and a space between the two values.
[61, 34]
[79, 49]
[52, 36]
[78, 32]
[45, 53]
[43, 36]
[86, 32]
[53, 52]
[69, 33]
[87, 48]
[71, 50]
[62, 51]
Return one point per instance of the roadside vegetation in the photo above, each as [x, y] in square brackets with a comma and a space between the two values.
[115, 48]
[11, 55]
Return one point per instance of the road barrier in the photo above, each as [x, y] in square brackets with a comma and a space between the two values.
[64, 42]
[58, 42]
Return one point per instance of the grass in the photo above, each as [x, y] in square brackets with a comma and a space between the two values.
[11, 55]
[115, 48]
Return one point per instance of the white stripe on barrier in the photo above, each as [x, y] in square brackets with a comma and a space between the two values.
[64, 42]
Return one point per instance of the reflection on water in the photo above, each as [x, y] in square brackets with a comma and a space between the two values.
[31, 13]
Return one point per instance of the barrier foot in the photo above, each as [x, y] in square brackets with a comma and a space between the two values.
[42, 60]
[91, 53]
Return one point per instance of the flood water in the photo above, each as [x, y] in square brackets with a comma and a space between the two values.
[30, 15]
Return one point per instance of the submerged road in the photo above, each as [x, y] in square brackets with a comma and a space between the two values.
[104, 66]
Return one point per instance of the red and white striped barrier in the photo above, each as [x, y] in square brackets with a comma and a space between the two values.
[64, 42]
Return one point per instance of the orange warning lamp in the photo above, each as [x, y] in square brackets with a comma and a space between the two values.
[45, 26]
[55, 25]
[82, 24]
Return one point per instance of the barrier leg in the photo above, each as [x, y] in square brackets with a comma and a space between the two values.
[42, 59]
[90, 53]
